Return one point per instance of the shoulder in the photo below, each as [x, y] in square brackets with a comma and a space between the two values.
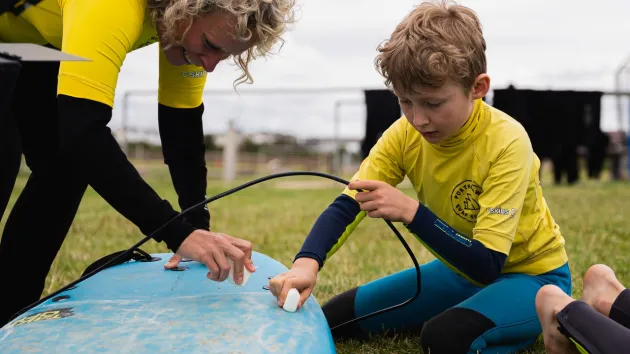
[505, 132]
[503, 122]
[117, 12]
[403, 135]
[180, 86]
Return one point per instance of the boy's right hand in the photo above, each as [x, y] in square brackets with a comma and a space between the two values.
[302, 277]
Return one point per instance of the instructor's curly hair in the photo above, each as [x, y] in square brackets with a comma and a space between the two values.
[264, 20]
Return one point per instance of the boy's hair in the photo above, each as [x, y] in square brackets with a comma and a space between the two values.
[434, 43]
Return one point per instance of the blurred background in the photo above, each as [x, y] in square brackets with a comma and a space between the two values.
[318, 104]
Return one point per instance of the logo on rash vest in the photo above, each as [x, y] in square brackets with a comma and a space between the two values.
[500, 211]
[464, 200]
[44, 315]
[193, 74]
[151, 40]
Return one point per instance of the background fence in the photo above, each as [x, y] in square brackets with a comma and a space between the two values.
[252, 132]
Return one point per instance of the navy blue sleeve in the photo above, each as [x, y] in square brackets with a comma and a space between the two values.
[330, 229]
[470, 258]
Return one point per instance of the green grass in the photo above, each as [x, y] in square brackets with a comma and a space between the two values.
[592, 216]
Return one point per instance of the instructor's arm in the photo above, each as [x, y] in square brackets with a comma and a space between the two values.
[180, 118]
[86, 91]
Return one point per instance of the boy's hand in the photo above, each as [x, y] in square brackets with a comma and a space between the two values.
[302, 276]
[382, 200]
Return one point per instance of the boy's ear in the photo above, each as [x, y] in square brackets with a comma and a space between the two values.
[481, 86]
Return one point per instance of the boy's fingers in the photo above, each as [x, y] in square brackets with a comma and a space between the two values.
[276, 283]
[364, 185]
[288, 284]
[303, 297]
[362, 197]
[369, 206]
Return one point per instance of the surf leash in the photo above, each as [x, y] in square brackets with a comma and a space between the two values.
[123, 256]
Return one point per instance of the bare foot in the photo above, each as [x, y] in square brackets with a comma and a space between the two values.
[550, 300]
[601, 288]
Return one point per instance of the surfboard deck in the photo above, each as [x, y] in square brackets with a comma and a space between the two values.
[141, 307]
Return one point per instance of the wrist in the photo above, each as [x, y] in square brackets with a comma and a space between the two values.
[307, 263]
[175, 234]
[411, 211]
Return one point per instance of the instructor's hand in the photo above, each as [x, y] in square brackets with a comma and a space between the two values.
[213, 249]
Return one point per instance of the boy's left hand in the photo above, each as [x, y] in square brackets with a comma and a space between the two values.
[382, 200]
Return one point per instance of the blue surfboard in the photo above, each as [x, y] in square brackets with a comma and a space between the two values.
[141, 307]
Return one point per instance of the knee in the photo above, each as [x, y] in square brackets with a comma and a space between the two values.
[39, 158]
[453, 331]
[340, 309]
[544, 294]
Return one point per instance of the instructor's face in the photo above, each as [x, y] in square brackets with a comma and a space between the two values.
[211, 39]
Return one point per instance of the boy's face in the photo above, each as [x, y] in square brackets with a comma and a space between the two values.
[439, 113]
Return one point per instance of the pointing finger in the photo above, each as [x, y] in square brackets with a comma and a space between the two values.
[173, 261]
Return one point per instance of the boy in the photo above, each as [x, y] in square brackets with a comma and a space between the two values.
[480, 208]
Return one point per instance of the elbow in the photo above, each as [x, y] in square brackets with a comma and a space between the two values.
[81, 120]
[492, 270]
[488, 277]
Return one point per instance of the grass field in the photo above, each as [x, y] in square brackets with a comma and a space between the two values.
[276, 216]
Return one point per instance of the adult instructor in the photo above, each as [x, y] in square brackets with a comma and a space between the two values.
[59, 114]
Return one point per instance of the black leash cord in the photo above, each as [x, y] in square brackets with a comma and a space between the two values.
[224, 194]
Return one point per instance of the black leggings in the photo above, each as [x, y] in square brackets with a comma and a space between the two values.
[43, 213]
[594, 332]
[10, 151]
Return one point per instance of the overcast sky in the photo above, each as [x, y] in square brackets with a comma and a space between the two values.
[557, 44]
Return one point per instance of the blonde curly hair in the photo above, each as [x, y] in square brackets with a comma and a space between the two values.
[437, 41]
[264, 20]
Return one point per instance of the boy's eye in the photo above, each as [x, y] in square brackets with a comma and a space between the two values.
[433, 104]
[404, 101]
